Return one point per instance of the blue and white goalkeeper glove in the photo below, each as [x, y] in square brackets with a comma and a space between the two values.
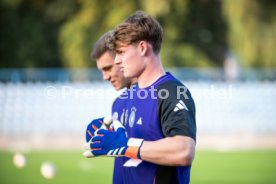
[113, 143]
[94, 125]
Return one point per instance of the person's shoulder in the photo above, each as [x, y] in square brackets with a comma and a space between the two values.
[116, 101]
[168, 81]
[172, 84]
[121, 97]
[174, 90]
[125, 94]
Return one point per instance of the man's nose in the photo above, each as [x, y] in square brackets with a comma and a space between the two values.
[106, 76]
[117, 60]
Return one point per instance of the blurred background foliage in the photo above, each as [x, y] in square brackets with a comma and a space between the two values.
[197, 33]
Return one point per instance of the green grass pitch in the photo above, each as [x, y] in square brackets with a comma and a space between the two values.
[243, 167]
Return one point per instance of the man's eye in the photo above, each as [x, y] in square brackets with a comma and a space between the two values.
[107, 68]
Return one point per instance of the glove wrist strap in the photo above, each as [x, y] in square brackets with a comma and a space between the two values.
[133, 150]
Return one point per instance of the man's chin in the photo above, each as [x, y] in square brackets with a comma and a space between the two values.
[117, 88]
[126, 75]
[129, 75]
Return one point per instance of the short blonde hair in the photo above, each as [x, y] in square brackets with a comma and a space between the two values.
[138, 27]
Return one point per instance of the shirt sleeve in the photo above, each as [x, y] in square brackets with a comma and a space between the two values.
[176, 110]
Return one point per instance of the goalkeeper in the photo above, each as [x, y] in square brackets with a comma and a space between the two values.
[158, 140]
[104, 58]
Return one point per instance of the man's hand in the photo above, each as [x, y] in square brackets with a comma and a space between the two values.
[101, 123]
[113, 143]
[92, 127]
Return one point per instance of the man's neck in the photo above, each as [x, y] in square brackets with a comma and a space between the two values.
[152, 73]
[132, 82]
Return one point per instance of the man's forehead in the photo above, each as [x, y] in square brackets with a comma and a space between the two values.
[106, 60]
[120, 45]
[104, 64]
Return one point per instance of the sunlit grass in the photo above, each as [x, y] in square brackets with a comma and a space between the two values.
[209, 167]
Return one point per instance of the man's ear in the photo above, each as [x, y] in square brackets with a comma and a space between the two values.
[143, 47]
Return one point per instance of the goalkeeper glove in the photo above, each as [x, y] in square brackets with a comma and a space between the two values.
[101, 123]
[113, 143]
